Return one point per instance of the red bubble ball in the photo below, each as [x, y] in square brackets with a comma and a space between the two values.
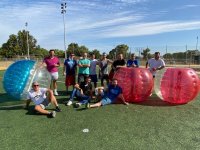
[136, 83]
[177, 85]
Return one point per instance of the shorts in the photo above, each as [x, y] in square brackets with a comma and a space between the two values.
[105, 76]
[106, 101]
[45, 104]
[54, 75]
[93, 78]
[70, 80]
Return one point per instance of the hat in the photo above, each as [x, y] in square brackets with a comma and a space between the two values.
[104, 53]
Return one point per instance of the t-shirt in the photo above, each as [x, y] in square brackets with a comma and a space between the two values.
[37, 97]
[50, 62]
[113, 92]
[86, 88]
[153, 63]
[104, 67]
[93, 64]
[131, 62]
[70, 66]
[118, 63]
[84, 70]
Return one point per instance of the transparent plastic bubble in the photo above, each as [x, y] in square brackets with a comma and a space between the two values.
[136, 83]
[177, 85]
[19, 76]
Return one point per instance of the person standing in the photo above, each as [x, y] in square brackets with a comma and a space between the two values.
[103, 64]
[132, 62]
[155, 64]
[84, 68]
[69, 70]
[120, 62]
[93, 74]
[52, 63]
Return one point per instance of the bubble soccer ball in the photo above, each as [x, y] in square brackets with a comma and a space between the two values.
[19, 76]
[136, 83]
[177, 85]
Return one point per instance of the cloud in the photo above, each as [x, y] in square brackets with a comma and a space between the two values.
[150, 28]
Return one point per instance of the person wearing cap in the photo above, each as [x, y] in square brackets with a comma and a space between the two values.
[69, 70]
[39, 97]
[84, 68]
[132, 62]
[120, 62]
[155, 64]
[82, 91]
[103, 64]
[52, 63]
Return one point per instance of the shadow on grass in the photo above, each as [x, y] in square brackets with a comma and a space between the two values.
[155, 101]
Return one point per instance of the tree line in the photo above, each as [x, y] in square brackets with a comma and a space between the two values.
[16, 45]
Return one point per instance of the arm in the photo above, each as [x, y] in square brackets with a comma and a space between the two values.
[64, 69]
[159, 68]
[147, 64]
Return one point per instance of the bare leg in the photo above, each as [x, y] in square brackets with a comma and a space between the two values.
[54, 84]
[40, 110]
[52, 99]
[95, 105]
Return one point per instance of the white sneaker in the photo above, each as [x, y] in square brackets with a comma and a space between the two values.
[69, 103]
[55, 93]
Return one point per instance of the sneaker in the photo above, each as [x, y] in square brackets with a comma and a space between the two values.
[52, 114]
[77, 105]
[58, 109]
[69, 103]
[87, 105]
[55, 93]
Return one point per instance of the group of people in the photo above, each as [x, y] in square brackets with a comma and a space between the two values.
[83, 89]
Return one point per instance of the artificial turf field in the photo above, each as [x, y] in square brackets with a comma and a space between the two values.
[150, 125]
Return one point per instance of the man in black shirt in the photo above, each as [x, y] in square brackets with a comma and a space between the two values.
[83, 92]
[120, 62]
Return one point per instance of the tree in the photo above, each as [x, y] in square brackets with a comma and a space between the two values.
[119, 49]
[145, 53]
[17, 44]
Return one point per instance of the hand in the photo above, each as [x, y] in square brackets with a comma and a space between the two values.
[154, 69]
[126, 103]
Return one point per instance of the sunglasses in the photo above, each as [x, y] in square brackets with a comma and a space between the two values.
[36, 85]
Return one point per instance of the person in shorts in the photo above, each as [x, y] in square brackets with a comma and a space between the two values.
[114, 91]
[39, 97]
[52, 64]
[69, 70]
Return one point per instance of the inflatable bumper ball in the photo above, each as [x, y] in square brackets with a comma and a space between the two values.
[177, 85]
[19, 76]
[136, 83]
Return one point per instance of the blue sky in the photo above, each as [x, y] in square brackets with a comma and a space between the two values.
[102, 24]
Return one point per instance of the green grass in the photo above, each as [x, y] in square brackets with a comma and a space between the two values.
[150, 125]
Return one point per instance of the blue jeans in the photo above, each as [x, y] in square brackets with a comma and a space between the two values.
[83, 98]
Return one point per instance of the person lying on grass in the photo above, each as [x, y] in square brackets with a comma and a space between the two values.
[41, 101]
[114, 91]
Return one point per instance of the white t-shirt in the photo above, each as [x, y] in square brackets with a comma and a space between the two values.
[37, 97]
[153, 63]
[93, 64]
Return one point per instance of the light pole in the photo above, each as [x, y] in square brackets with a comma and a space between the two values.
[28, 56]
[197, 43]
[63, 11]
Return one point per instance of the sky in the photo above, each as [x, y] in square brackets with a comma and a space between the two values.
[161, 25]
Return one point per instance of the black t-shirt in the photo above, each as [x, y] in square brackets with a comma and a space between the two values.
[118, 63]
[86, 88]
